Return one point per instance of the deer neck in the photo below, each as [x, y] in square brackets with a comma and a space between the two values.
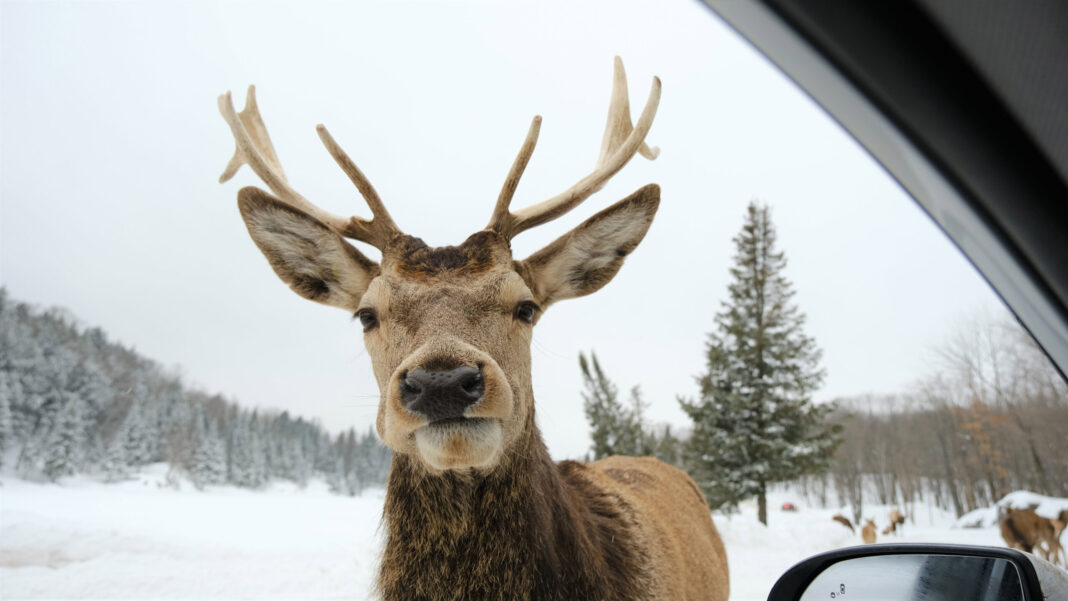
[529, 529]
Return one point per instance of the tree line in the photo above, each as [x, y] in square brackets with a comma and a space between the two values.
[72, 401]
[988, 419]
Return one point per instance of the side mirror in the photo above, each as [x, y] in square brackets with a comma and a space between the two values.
[912, 572]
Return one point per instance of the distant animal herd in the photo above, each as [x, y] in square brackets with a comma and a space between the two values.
[1021, 529]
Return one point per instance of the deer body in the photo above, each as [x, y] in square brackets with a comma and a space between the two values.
[572, 531]
[475, 507]
[867, 533]
[897, 522]
[1027, 531]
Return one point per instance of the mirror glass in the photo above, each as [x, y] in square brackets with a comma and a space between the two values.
[918, 578]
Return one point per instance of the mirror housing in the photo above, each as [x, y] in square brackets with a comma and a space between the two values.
[930, 572]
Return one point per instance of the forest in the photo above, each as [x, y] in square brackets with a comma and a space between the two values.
[991, 417]
[74, 402]
[988, 418]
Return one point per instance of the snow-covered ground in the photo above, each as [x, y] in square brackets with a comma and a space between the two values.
[136, 540]
[758, 555]
[141, 540]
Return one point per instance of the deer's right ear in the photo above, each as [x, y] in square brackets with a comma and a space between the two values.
[311, 258]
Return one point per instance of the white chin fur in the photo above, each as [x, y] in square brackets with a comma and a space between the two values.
[459, 446]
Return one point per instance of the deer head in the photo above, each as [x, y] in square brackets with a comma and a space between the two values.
[448, 329]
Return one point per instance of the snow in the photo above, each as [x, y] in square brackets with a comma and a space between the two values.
[140, 539]
[1044, 506]
[988, 517]
[758, 555]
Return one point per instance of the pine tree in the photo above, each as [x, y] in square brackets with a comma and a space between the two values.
[335, 477]
[667, 446]
[754, 422]
[257, 467]
[617, 428]
[115, 465]
[209, 455]
[6, 428]
[611, 425]
[642, 439]
[138, 436]
[65, 452]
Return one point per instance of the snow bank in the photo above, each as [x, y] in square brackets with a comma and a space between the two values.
[989, 517]
[984, 517]
[1044, 506]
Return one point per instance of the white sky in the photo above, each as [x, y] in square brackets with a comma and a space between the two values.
[112, 146]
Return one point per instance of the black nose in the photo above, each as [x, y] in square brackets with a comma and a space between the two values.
[441, 394]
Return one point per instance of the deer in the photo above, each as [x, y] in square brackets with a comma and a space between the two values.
[475, 508]
[843, 520]
[1054, 550]
[1027, 531]
[867, 533]
[897, 522]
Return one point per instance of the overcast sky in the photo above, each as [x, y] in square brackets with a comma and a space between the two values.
[112, 147]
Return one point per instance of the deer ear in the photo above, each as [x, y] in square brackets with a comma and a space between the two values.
[315, 261]
[586, 258]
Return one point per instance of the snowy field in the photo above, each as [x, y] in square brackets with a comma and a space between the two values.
[142, 540]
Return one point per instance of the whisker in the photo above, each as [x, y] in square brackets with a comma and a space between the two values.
[544, 349]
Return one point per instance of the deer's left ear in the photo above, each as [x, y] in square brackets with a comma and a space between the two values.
[586, 258]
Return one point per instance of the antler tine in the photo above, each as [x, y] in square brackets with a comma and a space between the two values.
[501, 219]
[257, 131]
[621, 141]
[618, 125]
[256, 151]
[254, 148]
[381, 228]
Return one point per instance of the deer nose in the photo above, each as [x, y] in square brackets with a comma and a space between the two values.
[441, 394]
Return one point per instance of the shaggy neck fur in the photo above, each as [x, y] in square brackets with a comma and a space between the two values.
[530, 529]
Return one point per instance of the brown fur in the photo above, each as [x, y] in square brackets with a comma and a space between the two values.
[538, 530]
[417, 260]
[1055, 550]
[867, 533]
[843, 520]
[1027, 531]
[897, 522]
[477, 510]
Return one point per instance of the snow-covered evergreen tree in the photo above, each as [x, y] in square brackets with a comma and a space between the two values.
[6, 428]
[209, 457]
[138, 436]
[754, 422]
[258, 470]
[247, 465]
[335, 478]
[54, 373]
[66, 448]
[115, 465]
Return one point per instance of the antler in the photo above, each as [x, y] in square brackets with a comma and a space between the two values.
[620, 143]
[255, 150]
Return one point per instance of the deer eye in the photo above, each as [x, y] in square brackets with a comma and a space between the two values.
[525, 311]
[368, 318]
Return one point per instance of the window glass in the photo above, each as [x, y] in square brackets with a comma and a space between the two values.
[171, 320]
